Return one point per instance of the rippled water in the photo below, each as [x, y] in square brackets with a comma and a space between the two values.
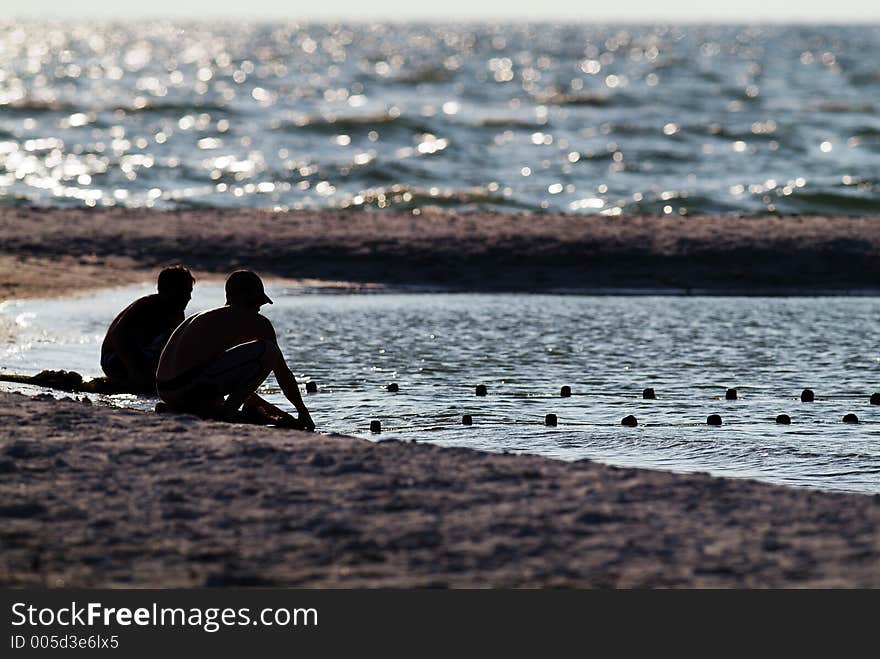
[525, 347]
[567, 118]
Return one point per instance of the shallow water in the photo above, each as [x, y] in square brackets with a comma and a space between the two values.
[575, 118]
[437, 347]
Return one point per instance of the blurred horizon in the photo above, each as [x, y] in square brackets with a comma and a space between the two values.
[440, 21]
[744, 12]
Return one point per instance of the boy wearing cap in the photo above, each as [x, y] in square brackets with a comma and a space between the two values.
[228, 352]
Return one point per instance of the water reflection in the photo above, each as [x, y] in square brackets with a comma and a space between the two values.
[669, 119]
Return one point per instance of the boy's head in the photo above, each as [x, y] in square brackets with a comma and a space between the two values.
[245, 288]
[176, 282]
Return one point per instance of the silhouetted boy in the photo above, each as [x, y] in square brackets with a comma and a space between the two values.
[216, 359]
[136, 337]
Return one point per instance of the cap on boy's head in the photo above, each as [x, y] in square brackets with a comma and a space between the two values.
[245, 287]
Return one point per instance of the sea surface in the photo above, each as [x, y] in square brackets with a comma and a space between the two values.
[571, 118]
[524, 348]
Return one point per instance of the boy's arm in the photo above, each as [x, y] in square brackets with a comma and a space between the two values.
[290, 388]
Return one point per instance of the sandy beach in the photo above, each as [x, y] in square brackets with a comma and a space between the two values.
[48, 251]
[103, 497]
[95, 497]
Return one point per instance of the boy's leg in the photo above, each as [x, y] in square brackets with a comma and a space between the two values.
[113, 367]
[239, 371]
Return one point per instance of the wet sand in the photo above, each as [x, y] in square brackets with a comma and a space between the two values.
[56, 251]
[105, 497]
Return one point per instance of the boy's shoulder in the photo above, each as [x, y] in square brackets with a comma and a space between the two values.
[265, 321]
[145, 303]
[157, 304]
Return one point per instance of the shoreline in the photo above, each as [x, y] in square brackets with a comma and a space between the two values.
[47, 251]
[220, 505]
[223, 506]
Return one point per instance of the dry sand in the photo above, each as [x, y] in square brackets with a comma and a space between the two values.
[104, 497]
[485, 251]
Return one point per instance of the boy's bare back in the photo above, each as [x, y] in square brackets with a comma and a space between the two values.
[201, 338]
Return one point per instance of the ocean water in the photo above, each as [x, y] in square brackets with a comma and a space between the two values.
[524, 348]
[576, 118]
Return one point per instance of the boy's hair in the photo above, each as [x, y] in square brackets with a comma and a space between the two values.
[175, 278]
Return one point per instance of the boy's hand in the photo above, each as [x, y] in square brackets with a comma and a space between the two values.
[305, 421]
